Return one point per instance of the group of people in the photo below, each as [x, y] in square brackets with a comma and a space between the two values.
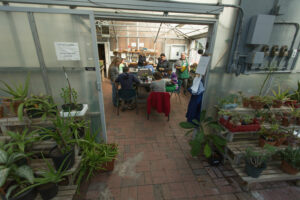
[119, 75]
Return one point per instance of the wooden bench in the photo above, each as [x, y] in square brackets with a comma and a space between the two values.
[271, 173]
[235, 151]
[64, 193]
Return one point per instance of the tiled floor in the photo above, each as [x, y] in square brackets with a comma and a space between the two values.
[154, 163]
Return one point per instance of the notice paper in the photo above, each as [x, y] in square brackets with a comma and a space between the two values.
[123, 55]
[141, 44]
[202, 65]
[67, 50]
[133, 44]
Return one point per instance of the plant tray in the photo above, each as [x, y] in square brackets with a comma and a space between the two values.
[242, 128]
[80, 113]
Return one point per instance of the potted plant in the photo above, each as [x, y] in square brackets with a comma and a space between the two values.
[95, 157]
[290, 160]
[295, 96]
[203, 139]
[78, 127]
[63, 136]
[22, 142]
[279, 97]
[14, 178]
[225, 114]
[256, 162]
[47, 181]
[266, 137]
[245, 100]
[18, 94]
[296, 115]
[257, 102]
[246, 119]
[41, 106]
[69, 95]
[229, 102]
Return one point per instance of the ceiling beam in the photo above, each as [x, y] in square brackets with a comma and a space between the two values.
[159, 6]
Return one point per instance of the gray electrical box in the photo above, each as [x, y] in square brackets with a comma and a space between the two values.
[260, 29]
[255, 58]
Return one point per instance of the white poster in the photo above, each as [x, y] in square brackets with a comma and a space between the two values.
[133, 44]
[123, 55]
[67, 50]
[141, 44]
[202, 65]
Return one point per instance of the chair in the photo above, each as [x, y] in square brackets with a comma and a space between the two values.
[178, 90]
[126, 95]
[159, 101]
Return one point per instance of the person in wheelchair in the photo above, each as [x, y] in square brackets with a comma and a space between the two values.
[127, 92]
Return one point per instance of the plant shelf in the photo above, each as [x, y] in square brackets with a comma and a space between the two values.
[271, 173]
[64, 193]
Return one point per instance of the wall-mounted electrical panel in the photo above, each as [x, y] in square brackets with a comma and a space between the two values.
[255, 58]
[260, 29]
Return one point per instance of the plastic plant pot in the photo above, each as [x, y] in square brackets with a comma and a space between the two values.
[277, 103]
[254, 171]
[27, 195]
[48, 191]
[58, 158]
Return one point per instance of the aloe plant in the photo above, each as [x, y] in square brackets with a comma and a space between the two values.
[280, 95]
[18, 92]
[291, 156]
[38, 106]
[204, 139]
[257, 159]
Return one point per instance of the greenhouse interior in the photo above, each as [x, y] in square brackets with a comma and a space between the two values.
[149, 100]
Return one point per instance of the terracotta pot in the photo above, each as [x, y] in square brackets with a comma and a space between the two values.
[280, 141]
[1, 111]
[262, 142]
[109, 166]
[277, 103]
[286, 167]
[256, 104]
[16, 106]
[246, 102]
[285, 121]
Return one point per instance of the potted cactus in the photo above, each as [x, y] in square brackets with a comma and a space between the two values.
[279, 97]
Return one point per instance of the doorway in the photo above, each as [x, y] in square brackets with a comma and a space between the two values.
[102, 60]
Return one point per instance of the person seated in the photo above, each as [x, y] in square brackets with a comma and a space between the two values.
[126, 80]
[163, 65]
[173, 84]
[148, 66]
[159, 84]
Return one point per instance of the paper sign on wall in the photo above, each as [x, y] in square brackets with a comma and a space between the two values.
[141, 44]
[202, 65]
[123, 55]
[133, 44]
[67, 50]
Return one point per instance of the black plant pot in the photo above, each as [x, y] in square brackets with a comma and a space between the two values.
[71, 107]
[34, 114]
[27, 195]
[48, 191]
[215, 159]
[254, 171]
[21, 162]
[58, 158]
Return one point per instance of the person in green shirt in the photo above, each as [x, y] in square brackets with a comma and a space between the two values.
[182, 68]
[122, 65]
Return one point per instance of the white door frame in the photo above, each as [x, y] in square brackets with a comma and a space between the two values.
[107, 56]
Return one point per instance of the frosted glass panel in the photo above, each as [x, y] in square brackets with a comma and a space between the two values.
[17, 47]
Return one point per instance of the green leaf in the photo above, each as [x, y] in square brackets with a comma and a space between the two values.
[190, 131]
[3, 156]
[25, 172]
[207, 151]
[187, 125]
[20, 111]
[202, 115]
[195, 121]
[3, 175]
[10, 190]
[15, 157]
[195, 148]
[217, 140]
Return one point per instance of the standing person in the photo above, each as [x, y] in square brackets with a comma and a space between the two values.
[182, 67]
[122, 65]
[113, 73]
[142, 60]
[163, 65]
[159, 84]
